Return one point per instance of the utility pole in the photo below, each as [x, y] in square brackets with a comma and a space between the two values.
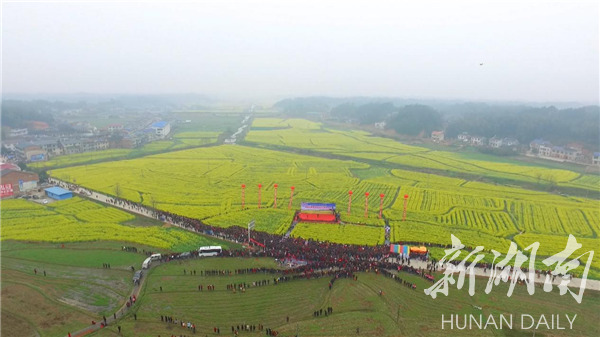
[250, 226]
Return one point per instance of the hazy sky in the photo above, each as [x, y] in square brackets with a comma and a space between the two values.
[530, 50]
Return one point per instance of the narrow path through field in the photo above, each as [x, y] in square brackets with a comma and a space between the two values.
[135, 292]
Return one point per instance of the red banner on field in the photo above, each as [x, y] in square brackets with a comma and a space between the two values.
[257, 243]
[6, 190]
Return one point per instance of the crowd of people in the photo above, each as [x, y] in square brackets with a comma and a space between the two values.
[314, 255]
[184, 324]
[317, 259]
[317, 255]
[314, 260]
[328, 311]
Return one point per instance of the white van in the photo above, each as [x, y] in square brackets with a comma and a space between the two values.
[147, 262]
[155, 257]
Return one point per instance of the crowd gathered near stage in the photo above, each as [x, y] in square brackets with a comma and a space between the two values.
[299, 259]
[314, 258]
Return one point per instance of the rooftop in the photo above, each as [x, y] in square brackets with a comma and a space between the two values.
[57, 190]
[6, 171]
[9, 166]
[160, 124]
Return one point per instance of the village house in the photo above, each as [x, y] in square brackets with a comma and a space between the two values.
[546, 150]
[16, 182]
[495, 142]
[17, 132]
[115, 127]
[534, 145]
[31, 152]
[464, 137]
[478, 140]
[161, 128]
[437, 136]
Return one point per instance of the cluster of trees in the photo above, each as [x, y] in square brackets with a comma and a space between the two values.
[405, 116]
[16, 114]
[415, 120]
[559, 126]
[410, 119]
[414, 117]
[363, 114]
[305, 106]
[302, 106]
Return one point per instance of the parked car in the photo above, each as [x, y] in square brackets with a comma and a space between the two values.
[137, 277]
[45, 201]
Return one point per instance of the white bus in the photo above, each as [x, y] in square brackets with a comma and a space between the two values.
[155, 257]
[209, 251]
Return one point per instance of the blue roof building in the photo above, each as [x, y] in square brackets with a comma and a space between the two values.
[58, 193]
[161, 128]
[160, 124]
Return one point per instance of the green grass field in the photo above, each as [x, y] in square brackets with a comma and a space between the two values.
[74, 291]
[77, 291]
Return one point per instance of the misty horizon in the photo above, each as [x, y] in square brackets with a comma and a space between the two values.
[219, 99]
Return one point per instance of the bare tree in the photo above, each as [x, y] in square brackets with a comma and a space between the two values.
[153, 202]
[118, 191]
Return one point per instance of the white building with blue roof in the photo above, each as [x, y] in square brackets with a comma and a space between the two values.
[58, 193]
[161, 128]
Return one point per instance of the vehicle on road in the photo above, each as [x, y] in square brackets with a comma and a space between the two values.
[210, 251]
